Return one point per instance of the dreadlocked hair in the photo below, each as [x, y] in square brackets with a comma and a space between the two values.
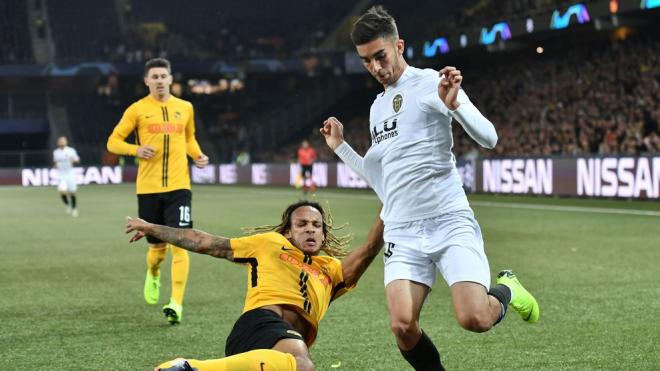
[333, 244]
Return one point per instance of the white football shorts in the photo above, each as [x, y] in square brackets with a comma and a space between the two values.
[450, 243]
[67, 183]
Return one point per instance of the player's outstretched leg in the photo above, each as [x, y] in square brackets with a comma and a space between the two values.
[178, 364]
[521, 300]
[255, 360]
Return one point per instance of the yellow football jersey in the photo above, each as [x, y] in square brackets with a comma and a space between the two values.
[169, 127]
[279, 273]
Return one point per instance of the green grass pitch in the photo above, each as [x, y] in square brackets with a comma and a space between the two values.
[71, 289]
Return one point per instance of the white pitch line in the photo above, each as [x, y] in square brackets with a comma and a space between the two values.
[577, 209]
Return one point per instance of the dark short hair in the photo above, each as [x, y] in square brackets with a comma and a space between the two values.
[375, 23]
[157, 63]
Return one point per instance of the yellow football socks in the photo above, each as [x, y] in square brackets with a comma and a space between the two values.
[255, 360]
[180, 267]
[155, 256]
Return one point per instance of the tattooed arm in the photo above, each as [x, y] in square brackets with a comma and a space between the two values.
[189, 239]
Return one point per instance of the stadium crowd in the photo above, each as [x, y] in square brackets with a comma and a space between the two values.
[137, 31]
[13, 38]
[600, 100]
[591, 101]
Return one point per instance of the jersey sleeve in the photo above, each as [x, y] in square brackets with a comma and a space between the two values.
[474, 122]
[430, 101]
[248, 246]
[117, 140]
[351, 158]
[192, 147]
[339, 288]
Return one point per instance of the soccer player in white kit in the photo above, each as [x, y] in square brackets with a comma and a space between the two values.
[64, 157]
[429, 225]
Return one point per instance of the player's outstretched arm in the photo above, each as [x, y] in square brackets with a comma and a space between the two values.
[357, 261]
[189, 239]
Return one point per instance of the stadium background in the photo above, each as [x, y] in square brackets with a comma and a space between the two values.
[572, 88]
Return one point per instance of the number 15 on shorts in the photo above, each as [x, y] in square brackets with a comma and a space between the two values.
[388, 251]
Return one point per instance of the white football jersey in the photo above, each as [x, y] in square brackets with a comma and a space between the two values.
[410, 164]
[64, 158]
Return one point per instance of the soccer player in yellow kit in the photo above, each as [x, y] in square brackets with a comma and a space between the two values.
[164, 128]
[290, 285]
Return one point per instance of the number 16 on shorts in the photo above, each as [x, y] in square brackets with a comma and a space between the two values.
[184, 216]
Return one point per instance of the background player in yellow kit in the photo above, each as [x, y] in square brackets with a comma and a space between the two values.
[164, 128]
[290, 285]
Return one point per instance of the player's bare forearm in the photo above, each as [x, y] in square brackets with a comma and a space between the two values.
[357, 261]
[193, 240]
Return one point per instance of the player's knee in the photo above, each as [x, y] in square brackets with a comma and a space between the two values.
[179, 254]
[159, 246]
[304, 364]
[474, 321]
[404, 328]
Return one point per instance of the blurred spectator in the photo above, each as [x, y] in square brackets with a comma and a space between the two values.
[223, 29]
[243, 158]
[15, 44]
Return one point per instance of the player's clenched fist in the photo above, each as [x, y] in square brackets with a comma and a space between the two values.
[450, 84]
[201, 161]
[333, 131]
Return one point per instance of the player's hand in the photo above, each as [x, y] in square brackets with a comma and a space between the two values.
[146, 152]
[333, 131]
[138, 226]
[450, 84]
[202, 161]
